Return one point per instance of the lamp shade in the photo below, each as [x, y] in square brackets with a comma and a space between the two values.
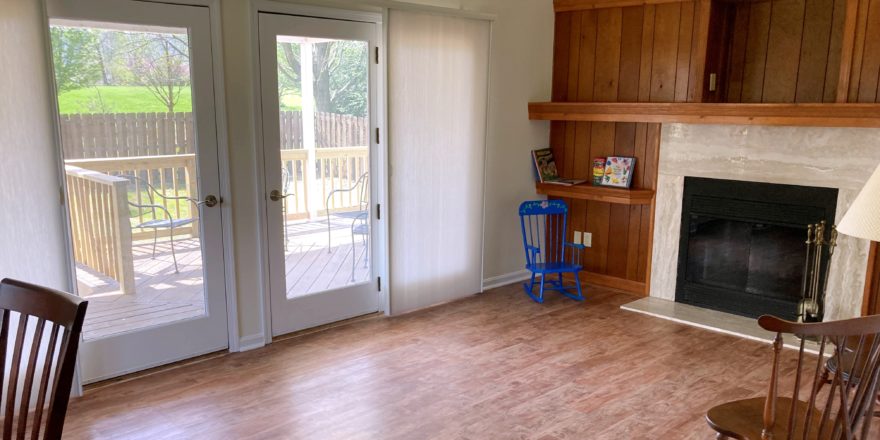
[862, 220]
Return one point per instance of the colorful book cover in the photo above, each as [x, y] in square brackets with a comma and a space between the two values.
[619, 171]
[545, 168]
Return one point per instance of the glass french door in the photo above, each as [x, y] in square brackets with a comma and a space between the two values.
[317, 89]
[139, 142]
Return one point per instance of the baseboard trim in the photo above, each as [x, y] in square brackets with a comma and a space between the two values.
[603, 280]
[505, 279]
[251, 342]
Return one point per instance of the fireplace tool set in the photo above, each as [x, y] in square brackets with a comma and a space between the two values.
[819, 241]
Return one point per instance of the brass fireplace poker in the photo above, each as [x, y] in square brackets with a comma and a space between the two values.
[817, 244]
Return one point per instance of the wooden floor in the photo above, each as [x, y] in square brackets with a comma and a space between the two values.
[313, 264]
[493, 366]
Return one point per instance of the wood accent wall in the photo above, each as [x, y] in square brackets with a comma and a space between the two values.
[647, 53]
[776, 51]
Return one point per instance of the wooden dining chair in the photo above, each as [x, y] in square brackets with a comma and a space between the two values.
[810, 411]
[40, 352]
[848, 358]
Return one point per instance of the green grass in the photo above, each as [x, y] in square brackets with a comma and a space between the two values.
[118, 99]
[132, 99]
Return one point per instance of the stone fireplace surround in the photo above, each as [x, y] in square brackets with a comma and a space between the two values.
[841, 158]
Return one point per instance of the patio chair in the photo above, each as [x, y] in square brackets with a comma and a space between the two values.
[360, 224]
[167, 222]
[285, 184]
[543, 225]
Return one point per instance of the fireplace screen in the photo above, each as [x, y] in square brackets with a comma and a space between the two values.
[756, 258]
[743, 247]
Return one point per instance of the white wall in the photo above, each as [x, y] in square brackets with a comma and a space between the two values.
[31, 216]
[521, 71]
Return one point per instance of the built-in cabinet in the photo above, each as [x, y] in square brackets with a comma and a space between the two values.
[623, 67]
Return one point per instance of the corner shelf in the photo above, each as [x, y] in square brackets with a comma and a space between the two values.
[585, 191]
[806, 114]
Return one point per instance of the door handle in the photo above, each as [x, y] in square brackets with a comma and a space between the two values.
[276, 195]
[211, 201]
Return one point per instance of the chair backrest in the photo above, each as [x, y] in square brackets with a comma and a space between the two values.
[41, 352]
[363, 191]
[843, 409]
[543, 224]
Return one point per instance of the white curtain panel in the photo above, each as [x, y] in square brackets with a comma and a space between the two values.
[437, 77]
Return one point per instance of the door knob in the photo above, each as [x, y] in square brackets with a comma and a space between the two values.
[276, 195]
[211, 201]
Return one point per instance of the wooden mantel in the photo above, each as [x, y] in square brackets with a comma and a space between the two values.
[807, 114]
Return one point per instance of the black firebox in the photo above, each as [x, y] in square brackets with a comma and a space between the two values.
[743, 247]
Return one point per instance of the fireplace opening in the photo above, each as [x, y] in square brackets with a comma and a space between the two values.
[743, 247]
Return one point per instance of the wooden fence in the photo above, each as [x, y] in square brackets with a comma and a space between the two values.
[149, 134]
[99, 224]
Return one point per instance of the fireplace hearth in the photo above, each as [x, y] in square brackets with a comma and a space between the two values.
[742, 246]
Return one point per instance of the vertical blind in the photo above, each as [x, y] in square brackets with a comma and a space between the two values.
[438, 83]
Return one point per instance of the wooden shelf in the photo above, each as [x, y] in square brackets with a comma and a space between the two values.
[586, 191]
[815, 115]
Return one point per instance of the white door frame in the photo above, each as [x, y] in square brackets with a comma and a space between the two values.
[223, 167]
[380, 247]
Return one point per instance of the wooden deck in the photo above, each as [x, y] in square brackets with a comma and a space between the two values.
[163, 296]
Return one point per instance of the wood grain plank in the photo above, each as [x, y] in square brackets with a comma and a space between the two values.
[816, 39]
[735, 68]
[847, 48]
[783, 45]
[871, 56]
[647, 53]
[696, 80]
[795, 114]
[683, 63]
[665, 53]
[756, 52]
[858, 48]
[630, 54]
[835, 51]
[561, 47]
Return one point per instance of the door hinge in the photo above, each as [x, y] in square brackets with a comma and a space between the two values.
[380, 283]
[377, 54]
[378, 211]
[377, 135]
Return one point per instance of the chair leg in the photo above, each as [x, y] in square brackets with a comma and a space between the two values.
[155, 236]
[541, 291]
[530, 287]
[173, 255]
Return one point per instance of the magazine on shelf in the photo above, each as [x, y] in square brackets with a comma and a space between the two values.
[545, 168]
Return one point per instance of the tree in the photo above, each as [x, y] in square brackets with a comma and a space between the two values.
[160, 62]
[76, 57]
[340, 72]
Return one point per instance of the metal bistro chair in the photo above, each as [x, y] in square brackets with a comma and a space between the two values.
[37, 323]
[544, 224]
[168, 222]
[285, 186]
[360, 219]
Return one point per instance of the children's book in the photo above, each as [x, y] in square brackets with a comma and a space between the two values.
[545, 167]
[619, 171]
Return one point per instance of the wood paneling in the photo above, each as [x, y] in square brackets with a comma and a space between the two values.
[776, 51]
[629, 54]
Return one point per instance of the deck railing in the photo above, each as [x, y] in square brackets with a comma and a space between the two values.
[99, 224]
[335, 168]
[172, 175]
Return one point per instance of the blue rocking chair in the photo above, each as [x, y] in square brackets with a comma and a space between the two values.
[544, 224]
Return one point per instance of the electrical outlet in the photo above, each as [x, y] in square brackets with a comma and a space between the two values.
[588, 239]
[577, 237]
